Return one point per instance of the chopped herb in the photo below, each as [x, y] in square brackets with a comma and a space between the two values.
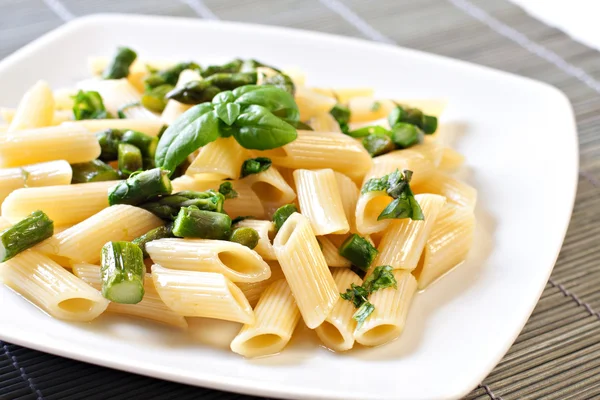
[355, 294]
[363, 313]
[123, 108]
[226, 189]
[282, 214]
[359, 251]
[376, 106]
[396, 185]
[89, 105]
[381, 278]
[377, 145]
[341, 113]
[255, 166]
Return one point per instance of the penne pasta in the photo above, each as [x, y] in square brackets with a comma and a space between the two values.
[236, 262]
[315, 150]
[276, 318]
[324, 122]
[403, 240]
[201, 294]
[64, 204]
[63, 100]
[448, 244]
[34, 175]
[270, 187]
[52, 288]
[265, 230]
[349, 194]
[36, 109]
[83, 242]
[456, 191]
[387, 321]
[343, 95]
[147, 126]
[368, 208]
[60, 116]
[223, 158]
[174, 109]
[369, 109]
[305, 269]
[311, 103]
[70, 143]
[4, 223]
[320, 201]
[253, 290]
[331, 253]
[151, 307]
[421, 166]
[337, 331]
[451, 160]
[297, 75]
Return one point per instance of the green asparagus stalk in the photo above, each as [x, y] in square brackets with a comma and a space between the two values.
[119, 65]
[230, 81]
[168, 76]
[123, 272]
[245, 236]
[194, 92]
[359, 251]
[25, 234]
[192, 222]
[93, 171]
[154, 99]
[405, 135]
[162, 232]
[232, 66]
[378, 144]
[109, 140]
[141, 187]
[168, 207]
[146, 143]
[130, 159]
[430, 124]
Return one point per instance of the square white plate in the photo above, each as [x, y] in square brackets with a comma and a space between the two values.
[521, 146]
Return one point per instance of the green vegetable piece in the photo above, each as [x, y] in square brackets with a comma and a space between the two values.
[259, 129]
[300, 125]
[140, 187]
[281, 81]
[192, 222]
[230, 81]
[377, 145]
[341, 113]
[381, 278]
[363, 313]
[282, 214]
[358, 250]
[230, 67]
[376, 106]
[430, 124]
[397, 186]
[226, 189]
[194, 92]
[89, 105]
[195, 128]
[25, 234]
[228, 112]
[162, 232]
[168, 76]
[123, 272]
[355, 294]
[109, 140]
[119, 66]
[93, 171]
[155, 99]
[146, 143]
[121, 111]
[405, 135]
[279, 102]
[245, 236]
[402, 207]
[250, 65]
[167, 207]
[412, 116]
[369, 130]
[255, 166]
[130, 159]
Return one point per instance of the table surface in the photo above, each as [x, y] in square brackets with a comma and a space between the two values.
[557, 356]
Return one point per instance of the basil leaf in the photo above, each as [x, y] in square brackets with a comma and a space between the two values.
[363, 313]
[381, 278]
[258, 129]
[276, 100]
[89, 105]
[195, 128]
[255, 166]
[224, 97]
[341, 113]
[358, 250]
[281, 81]
[228, 112]
[355, 294]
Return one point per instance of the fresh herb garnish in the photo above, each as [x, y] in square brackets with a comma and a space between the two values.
[341, 113]
[226, 189]
[89, 105]
[359, 251]
[396, 185]
[255, 166]
[282, 214]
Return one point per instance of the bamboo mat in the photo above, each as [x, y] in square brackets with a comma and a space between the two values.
[557, 356]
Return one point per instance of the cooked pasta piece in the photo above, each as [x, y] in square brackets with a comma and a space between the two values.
[349, 193]
[324, 122]
[83, 242]
[147, 126]
[151, 307]
[297, 75]
[448, 244]
[331, 254]
[64, 204]
[42, 174]
[36, 109]
[421, 166]
[223, 158]
[70, 143]
[4, 223]
[174, 109]
[51, 287]
[270, 187]
[201, 294]
[235, 261]
[60, 116]
[246, 203]
[320, 201]
[265, 230]
[368, 208]
[311, 103]
[97, 65]
[276, 318]
[317, 150]
[451, 160]
[337, 331]
[367, 108]
[403, 240]
[343, 95]
[305, 269]
[456, 191]
[63, 100]
[431, 150]
[253, 290]
[387, 321]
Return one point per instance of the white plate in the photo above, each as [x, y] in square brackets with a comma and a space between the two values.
[521, 145]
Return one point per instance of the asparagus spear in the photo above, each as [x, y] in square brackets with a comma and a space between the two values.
[146, 143]
[230, 81]
[168, 76]
[141, 187]
[119, 65]
[165, 231]
[93, 171]
[358, 250]
[196, 92]
[109, 140]
[378, 144]
[405, 135]
[245, 236]
[123, 272]
[168, 207]
[154, 99]
[25, 234]
[232, 66]
[195, 223]
[130, 159]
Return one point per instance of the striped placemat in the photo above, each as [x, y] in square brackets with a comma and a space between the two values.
[557, 356]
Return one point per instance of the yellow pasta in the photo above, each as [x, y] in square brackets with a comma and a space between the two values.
[448, 244]
[331, 254]
[235, 261]
[311, 103]
[451, 160]
[83, 242]
[337, 331]
[36, 109]
[343, 95]
[305, 269]
[201, 294]
[70, 143]
[147, 126]
[324, 122]
[34, 175]
[265, 230]
[404, 240]
[276, 318]
[456, 191]
[253, 290]
[368, 208]
[60, 116]
[151, 307]
[349, 194]
[387, 321]
[367, 108]
[317, 150]
[270, 187]
[320, 201]
[223, 158]
[421, 166]
[174, 109]
[52, 288]
[63, 100]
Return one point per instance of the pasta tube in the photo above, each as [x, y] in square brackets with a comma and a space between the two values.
[36, 109]
[223, 158]
[34, 175]
[174, 108]
[147, 126]
[265, 229]
[253, 290]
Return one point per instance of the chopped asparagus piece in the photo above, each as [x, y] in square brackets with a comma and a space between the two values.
[122, 272]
